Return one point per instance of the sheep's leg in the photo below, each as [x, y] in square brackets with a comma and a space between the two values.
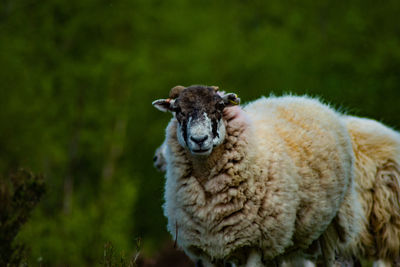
[298, 263]
[382, 263]
[308, 263]
[328, 255]
[255, 259]
[346, 261]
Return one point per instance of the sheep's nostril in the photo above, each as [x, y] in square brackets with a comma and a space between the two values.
[155, 158]
[199, 139]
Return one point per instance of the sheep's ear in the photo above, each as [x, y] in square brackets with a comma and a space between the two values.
[231, 99]
[164, 104]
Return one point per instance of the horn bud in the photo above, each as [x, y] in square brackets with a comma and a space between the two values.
[216, 88]
[175, 91]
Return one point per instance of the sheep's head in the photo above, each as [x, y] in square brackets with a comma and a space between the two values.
[198, 110]
[159, 158]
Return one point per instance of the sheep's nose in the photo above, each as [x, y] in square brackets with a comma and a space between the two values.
[199, 139]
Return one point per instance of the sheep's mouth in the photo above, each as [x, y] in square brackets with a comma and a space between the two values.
[201, 151]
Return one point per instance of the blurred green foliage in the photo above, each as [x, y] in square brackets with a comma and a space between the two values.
[19, 194]
[77, 79]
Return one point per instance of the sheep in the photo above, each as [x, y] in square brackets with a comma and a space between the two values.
[377, 175]
[377, 153]
[159, 158]
[256, 185]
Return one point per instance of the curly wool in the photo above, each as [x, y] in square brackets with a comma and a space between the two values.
[276, 184]
[377, 152]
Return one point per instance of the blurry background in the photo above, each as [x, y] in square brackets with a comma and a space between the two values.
[77, 79]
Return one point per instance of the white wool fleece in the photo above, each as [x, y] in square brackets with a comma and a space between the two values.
[276, 184]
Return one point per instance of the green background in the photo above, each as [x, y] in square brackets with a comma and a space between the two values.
[77, 79]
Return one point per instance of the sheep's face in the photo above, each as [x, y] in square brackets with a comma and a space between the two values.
[159, 158]
[198, 110]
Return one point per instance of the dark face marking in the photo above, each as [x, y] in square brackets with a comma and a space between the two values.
[195, 100]
[199, 103]
[215, 128]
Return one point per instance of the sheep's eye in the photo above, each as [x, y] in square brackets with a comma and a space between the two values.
[220, 106]
[177, 110]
